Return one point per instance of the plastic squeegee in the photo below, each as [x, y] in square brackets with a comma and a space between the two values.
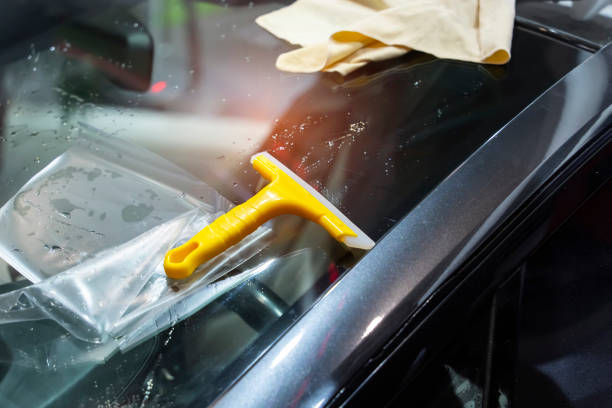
[285, 194]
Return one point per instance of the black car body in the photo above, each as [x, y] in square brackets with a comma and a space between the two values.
[464, 174]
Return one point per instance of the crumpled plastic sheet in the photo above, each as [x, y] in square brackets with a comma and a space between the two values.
[36, 350]
[97, 195]
[101, 297]
[91, 230]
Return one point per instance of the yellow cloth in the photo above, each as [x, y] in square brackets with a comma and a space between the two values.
[343, 35]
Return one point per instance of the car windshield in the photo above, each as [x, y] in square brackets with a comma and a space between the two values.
[196, 83]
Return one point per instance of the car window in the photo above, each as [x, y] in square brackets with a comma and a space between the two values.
[195, 82]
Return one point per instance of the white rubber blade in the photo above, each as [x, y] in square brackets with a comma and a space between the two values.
[361, 241]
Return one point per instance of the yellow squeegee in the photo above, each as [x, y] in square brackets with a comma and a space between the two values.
[285, 194]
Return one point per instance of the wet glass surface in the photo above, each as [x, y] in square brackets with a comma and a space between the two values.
[195, 82]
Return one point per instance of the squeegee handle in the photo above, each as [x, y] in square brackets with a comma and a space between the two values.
[225, 231]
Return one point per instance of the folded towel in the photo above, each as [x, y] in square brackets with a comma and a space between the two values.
[343, 35]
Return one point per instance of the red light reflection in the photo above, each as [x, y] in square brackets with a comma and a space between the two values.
[158, 86]
[332, 272]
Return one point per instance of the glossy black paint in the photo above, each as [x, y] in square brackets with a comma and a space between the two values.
[478, 305]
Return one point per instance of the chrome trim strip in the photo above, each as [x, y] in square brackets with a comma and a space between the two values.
[543, 29]
[584, 24]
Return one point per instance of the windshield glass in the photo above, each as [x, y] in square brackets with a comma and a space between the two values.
[195, 82]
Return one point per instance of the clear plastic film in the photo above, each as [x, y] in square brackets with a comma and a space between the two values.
[33, 350]
[91, 230]
[97, 195]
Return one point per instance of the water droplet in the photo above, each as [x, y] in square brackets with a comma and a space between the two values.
[417, 83]
[52, 48]
[235, 184]
[135, 25]
[358, 127]
[34, 69]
